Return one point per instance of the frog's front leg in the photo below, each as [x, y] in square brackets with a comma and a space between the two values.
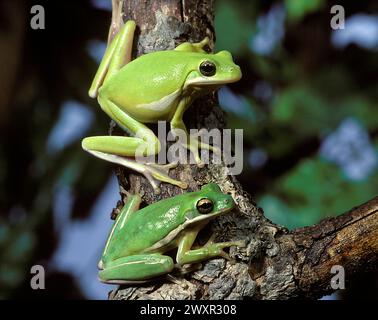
[136, 268]
[116, 149]
[210, 250]
[192, 142]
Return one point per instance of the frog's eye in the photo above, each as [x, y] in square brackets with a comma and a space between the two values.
[205, 205]
[207, 68]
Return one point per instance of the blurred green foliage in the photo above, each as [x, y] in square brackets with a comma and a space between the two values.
[313, 87]
[297, 9]
[314, 190]
[17, 250]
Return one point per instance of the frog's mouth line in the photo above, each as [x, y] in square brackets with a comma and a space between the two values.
[170, 236]
[203, 81]
[208, 216]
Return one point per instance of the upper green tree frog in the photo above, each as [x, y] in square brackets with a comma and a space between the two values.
[157, 86]
[138, 239]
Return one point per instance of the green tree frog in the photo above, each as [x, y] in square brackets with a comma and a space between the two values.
[157, 86]
[139, 238]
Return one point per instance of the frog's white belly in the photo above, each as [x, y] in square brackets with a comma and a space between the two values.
[162, 109]
[161, 105]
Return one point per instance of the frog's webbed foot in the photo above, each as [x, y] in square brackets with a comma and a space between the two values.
[218, 247]
[154, 173]
[194, 145]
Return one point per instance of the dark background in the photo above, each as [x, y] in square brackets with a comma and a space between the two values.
[307, 103]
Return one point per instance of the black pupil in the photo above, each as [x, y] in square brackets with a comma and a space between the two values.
[205, 206]
[207, 68]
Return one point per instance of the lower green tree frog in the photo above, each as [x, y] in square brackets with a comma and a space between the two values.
[139, 238]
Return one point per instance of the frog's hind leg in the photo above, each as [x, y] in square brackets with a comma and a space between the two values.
[117, 54]
[154, 173]
[136, 268]
[130, 207]
[116, 149]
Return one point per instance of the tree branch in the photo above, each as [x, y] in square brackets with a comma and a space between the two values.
[276, 264]
[349, 240]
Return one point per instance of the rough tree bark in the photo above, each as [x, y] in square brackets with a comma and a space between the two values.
[276, 264]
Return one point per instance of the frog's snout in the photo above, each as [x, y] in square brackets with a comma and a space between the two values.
[236, 73]
[229, 201]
